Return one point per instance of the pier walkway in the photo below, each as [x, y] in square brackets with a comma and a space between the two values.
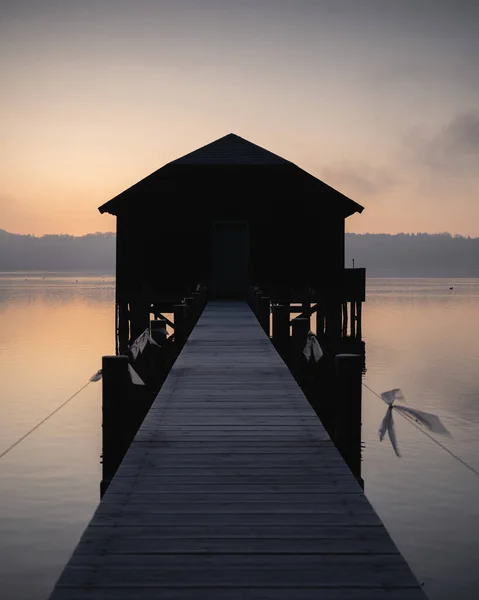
[232, 490]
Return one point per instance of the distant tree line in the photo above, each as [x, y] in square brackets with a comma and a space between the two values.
[414, 254]
[404, 254]
[94, 252]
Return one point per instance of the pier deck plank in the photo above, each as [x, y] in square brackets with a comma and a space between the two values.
[233, 490]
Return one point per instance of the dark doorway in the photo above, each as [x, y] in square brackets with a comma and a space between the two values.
[230, 260]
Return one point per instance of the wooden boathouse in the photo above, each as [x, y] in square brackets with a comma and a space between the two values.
[220, 481]
[228, 216]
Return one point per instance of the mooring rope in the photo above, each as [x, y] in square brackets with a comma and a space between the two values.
[409, 420]
[44, 420]
[138, 344]
[458, 458]
[93, 378]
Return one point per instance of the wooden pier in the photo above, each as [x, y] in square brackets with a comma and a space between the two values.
[232, 490]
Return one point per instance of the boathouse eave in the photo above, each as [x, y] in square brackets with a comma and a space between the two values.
[168, 181]
[345, 205]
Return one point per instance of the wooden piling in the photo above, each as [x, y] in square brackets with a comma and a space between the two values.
[196, 307]
[180, 317]
[281, 326]
[158, 331]
[359, 320]
[333, 324]
[319, 324]
[199, 297]
[347, 434]
[306, 314]
[300, 329]
[256, 302]
[139, 318]
[264, 312]
[344, 331]
[115, 387]
[250, 297]
[157, 362]
[123, 327]
[353, 318]
[190, 314]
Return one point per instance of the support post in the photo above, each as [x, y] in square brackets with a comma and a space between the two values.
[115, 388]
[333, 324]
[257, 299]
[300, 329]
[344, 331]
[158, 331]
[203, 296]
[281, 337]
[251, 297]
[179, 312]
[158, 360]
[190, 314]
[139, 318]
[123, 326]
[319, 324]
[353, 318]
[347, 434]
[359, 320]
[197, 309]
[264, 313]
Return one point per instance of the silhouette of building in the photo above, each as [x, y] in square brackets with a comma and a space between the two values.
[229, 215]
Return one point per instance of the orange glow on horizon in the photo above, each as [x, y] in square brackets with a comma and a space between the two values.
[98, 98]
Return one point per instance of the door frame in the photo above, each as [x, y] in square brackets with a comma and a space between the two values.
[214, 224]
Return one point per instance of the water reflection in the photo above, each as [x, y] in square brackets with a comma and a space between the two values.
[423, 337]
[420, 336]
[54, 289]
[53, 334]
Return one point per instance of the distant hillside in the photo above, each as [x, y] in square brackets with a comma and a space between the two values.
[401, 255]
[94, 252]
[414, 255]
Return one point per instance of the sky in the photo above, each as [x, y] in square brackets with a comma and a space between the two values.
[378, 98]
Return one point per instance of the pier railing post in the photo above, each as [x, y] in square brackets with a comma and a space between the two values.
[319, 323]
[158, 331]
[333, 313]
[190, 314]
[281, 337]
[250, 297]
[179, 312]
[196, 307]
[359, 320]
[347, 434]
[264, 310]
[159, 363]
[116, 386]
[300, 329]
[344, 329]
[353, 318]
[203, 296]
[139, 317]
[256, 303]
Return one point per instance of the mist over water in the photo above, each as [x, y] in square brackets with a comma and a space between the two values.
[420, 336]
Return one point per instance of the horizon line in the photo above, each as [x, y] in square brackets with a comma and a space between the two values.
[460, 235]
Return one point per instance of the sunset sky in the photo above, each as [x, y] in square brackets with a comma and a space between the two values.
[378, 98]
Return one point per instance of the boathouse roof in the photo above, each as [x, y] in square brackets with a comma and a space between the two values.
[230, 152]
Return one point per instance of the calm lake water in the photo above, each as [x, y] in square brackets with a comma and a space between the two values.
[420, 336]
